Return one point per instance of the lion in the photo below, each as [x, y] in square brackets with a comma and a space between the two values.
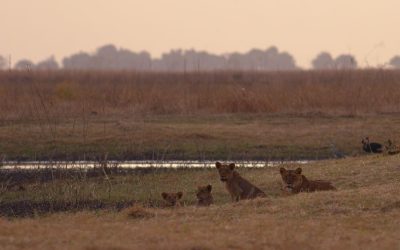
[392, 148]
[204, 196]
[172, 199]
[238, 187]
[294, 182]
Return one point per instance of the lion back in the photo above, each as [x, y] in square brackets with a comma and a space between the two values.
[316, 185]
[250, 191]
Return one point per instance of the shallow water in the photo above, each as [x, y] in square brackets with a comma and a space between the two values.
[140, 164]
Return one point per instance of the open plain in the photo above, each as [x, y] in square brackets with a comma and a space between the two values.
[225, 116]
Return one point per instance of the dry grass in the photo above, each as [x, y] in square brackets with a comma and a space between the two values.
[362, 214]
[238, 136]
[51, 96]
[220, 115]
[139, 212]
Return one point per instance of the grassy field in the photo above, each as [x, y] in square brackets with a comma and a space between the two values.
[216, 115]
[216, 137]
[199, 116]
[362, 214]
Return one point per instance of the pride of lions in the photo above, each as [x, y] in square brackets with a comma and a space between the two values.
[293, 181]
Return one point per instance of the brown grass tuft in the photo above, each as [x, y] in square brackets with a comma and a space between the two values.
[139, 212]
[390, 207]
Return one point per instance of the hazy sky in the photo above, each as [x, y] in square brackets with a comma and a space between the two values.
[36, 29]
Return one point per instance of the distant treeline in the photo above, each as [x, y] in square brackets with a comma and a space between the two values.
[109, 57]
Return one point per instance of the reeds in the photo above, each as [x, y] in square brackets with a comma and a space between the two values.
[48, 96]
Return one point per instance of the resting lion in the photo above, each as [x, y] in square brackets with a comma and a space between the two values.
[172, 199]
[294, 182]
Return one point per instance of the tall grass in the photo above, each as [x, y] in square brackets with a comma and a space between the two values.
[51, 95]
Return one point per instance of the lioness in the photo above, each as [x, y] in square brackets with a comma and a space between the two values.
[294, 182]
[238, 187]
[204, 195]
[172, 199]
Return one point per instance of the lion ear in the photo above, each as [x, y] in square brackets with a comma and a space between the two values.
[218, 164]
[209, 188]
[298, 171]
[179, 195]
[282, 170]
[232, 166]
[164, 195]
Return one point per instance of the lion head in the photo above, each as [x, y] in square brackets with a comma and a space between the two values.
[204, 192]
[172, 199]
[291, 179]
[225, 171]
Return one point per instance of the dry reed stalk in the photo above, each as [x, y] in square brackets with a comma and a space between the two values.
[67, 94]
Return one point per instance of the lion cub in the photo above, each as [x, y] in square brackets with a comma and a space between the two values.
[172, 199]
[238, 187]
[204, 196]
[294, 182]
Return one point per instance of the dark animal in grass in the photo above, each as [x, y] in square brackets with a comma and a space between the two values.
[371, 147]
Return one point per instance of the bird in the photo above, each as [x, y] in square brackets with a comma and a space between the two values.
[371, 147]
[336, 152]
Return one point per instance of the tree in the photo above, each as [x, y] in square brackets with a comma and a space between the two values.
[345, 61]
[256, 59]
[323, 60]
[395, 61]
[3, 62]
[24, 64]
[48, 64]
[80, 60]
[109, 57]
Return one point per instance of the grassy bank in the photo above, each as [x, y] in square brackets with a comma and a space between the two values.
[363, 213]
[144, 186]
[202, 137]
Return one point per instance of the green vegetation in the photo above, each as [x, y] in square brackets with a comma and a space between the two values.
[239, 137]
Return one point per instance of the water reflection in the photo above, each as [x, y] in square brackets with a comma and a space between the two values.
[140, 164]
